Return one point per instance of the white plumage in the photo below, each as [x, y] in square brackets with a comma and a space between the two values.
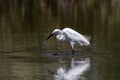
[70, 35]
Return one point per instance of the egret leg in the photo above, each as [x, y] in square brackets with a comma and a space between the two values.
[72, 44]
[73, 52]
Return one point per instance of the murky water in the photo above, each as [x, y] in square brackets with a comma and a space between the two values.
[25, 24]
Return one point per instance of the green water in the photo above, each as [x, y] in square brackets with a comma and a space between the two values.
[25, 24]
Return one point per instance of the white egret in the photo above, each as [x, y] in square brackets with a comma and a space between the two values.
[70, 35]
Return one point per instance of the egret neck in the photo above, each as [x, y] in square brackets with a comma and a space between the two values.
[60, 37]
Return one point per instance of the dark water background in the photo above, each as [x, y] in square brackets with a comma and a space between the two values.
[25, 24]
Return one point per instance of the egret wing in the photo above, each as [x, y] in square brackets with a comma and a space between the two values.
[72, 34]
[75, 36]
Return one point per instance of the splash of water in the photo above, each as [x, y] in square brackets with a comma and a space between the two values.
[74, 73]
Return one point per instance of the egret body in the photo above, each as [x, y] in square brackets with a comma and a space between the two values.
[70, 35]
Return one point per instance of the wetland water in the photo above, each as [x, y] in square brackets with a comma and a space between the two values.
[25, 24]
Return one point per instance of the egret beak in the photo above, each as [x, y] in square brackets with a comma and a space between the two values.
[49, 36]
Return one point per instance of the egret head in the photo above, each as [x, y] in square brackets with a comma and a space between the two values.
[55, 32]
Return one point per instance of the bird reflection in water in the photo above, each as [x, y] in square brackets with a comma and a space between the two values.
[74, 71]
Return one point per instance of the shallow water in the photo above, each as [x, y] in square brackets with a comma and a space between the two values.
[34, 67]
